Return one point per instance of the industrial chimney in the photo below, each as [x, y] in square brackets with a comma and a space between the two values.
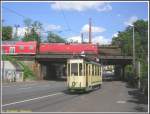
[90, 39]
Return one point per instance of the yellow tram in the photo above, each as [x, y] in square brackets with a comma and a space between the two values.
[83, 75]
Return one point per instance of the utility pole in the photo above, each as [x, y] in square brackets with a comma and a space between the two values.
[139, 75]
[133, 49]
[81, 37]
[133, 44]
[16, 34]
[38, 42]
[3, 22]
[90, 39]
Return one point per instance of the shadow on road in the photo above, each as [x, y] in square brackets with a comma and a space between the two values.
[138, 98]
[75, 92]
[58, 79]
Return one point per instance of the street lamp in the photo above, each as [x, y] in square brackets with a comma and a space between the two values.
[133, 37]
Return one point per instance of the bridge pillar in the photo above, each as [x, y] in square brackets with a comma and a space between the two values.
[122, 72]
[118, 71]
[38, 70]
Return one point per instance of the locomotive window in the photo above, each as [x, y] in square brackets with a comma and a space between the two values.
[80, 69]
[30, 47]
[12, 49]
[74, 69]
[21, 47]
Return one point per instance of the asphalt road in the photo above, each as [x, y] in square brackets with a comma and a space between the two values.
[52, 96]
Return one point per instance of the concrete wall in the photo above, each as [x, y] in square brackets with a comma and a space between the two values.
[10, 73]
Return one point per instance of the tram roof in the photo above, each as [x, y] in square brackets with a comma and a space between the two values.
[86, 61]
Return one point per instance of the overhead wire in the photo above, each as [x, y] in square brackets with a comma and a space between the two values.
[64, 16]
[15, 12]
[25, 17]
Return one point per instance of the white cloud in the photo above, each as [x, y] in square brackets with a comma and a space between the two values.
[81, 6]
[101, 40]
[51, 27]
[76, 38]
[115, 34]
[97, 39]
[95, 29]
[131, 20]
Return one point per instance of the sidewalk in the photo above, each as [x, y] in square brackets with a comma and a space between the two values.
[21, 83]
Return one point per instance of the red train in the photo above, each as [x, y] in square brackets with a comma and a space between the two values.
[21, 47]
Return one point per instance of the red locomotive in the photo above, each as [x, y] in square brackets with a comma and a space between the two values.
[67, 48]
[19, 47]
[30, 47]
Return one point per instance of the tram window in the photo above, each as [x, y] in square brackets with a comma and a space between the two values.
[100, 71]
[74, 69]
[93, 70]
[80, 69]
[97, 71]
[87, 70]
[68, 69]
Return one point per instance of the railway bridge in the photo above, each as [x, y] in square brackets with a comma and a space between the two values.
[52, 65]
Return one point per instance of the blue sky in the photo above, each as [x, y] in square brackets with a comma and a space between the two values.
[107, 17]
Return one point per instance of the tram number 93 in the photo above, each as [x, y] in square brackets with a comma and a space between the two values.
[75, 83]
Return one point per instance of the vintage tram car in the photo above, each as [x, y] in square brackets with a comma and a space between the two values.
[83, 75]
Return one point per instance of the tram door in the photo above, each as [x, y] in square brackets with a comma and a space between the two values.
[89, 71]
[86, 73]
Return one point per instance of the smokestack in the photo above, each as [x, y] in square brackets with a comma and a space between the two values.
[90, 39]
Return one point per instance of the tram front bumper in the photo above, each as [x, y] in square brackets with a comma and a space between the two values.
[77, 88]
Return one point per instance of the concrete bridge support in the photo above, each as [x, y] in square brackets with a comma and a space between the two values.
[120, 72]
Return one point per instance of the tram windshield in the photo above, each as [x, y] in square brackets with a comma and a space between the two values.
[74, 69]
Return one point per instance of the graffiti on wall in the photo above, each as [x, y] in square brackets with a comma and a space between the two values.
[13, 76]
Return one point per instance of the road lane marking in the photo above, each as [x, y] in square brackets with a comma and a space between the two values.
[24, 88]
[37, 98]
[121, 102]
[19, 85]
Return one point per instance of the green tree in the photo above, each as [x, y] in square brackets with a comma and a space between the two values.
[28, 23]
[124, 40]
[36, 25]
[52, 37]
[7, 33]
[32, 36]
[33, 30]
